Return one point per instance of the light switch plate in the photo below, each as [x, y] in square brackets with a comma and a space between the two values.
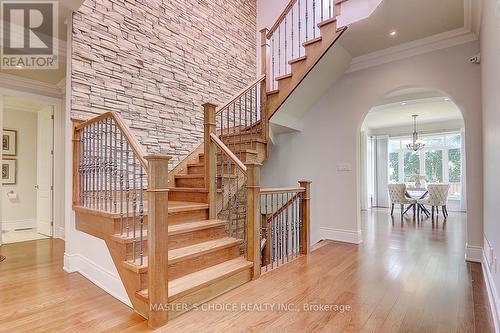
[344, 167]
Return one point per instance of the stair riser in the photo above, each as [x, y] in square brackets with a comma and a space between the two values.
[200, 262]
[328, 29]
[242, 137]
[189, 216]
[194, 237]
[196, 169]
[244, 157]
[190, 182]
[188, 196]
[209, 292]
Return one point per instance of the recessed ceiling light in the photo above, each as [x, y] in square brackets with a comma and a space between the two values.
[447, 99]
[393, 33]
[404, 103]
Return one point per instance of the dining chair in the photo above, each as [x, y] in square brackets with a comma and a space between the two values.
[397, 193]
[437, 197]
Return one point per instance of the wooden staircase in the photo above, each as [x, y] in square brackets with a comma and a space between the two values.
[183, 237]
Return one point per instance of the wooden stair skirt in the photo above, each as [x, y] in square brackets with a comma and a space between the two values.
[202, 261]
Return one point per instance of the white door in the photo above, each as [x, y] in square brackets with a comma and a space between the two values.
[44, 171]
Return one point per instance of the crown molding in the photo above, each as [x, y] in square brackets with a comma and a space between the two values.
[14, 82]
[420, 46]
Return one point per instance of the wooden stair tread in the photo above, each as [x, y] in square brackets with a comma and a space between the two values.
[200, 175]
[197, 280]
[185, 253]
[326, 22]
[272, 92]
[282, 77]
[312, 41]
[184, 206]
[173, 207]
[188, 189]
[194, 226]
[304, 57]
[249, 151]
[175, 229]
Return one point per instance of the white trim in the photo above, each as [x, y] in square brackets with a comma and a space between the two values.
[492, 293]
[18, 83]
[413, 48]
[346, 236]
[474, 253]
[104, 279]
[18, 224]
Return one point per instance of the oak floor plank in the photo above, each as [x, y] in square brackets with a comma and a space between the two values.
[406, 276]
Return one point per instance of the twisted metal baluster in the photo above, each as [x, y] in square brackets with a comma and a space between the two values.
[279, 51]
[299, 29]
[240, 127]
[121, 184]
[330, 13]
[292, 32]
[287, 221]
[127, 186]
[321, 10]
[273, 238]
[314, 19]
[141, 213]
[230, 205]
[286, 48]
[307, 21]
[115, 163]
[134, 205]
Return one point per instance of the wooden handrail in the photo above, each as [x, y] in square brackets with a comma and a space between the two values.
[228, 152]
[132, 141]
[241, 93]
[281, 190]
[282, 208]
[281, 18]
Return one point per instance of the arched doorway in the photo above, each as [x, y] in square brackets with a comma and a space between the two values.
[388, 157]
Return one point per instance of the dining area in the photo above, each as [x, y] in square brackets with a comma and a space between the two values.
[420, 201]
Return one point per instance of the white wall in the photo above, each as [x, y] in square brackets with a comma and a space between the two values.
[490, 63]
[21, 212]
[330, 137]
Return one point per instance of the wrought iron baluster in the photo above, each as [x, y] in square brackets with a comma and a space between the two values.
[134, 205]
[299, 46]
[229, 182]
[127, 186]
[115, 164]
[314, 19]
[291, 43]
[141, 214]
[307, 21]
[121, 184]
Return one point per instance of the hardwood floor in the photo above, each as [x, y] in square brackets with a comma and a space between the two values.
[405, 277]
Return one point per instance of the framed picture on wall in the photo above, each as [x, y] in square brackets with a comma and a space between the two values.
[9, 142]
[9, 171]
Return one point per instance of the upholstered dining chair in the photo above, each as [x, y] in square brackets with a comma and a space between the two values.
[437, 197]
[397, 193]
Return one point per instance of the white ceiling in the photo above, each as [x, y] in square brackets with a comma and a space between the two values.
[396, 109]
[412, 19]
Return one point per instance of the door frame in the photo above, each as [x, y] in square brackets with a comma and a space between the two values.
[58, 168]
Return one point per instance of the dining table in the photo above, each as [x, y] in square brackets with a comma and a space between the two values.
[418, 193]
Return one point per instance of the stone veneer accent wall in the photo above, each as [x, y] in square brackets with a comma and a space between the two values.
[156, 61]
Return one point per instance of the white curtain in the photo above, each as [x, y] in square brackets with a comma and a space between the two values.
[382, 171]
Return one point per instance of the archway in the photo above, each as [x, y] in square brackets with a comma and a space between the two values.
[387, 155]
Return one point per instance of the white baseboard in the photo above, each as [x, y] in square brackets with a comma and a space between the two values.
[492, 293]
[346, 236]
[18, 224]
[59, 232]
[474, 253]
[104, 279]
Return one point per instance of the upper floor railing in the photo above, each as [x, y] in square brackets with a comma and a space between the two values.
[297, 24]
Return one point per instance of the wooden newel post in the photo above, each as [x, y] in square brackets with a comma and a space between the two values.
[253, 216]
[157, 239]
[305, 198]
[210, 157]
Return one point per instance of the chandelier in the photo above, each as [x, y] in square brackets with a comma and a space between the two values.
[417, 144]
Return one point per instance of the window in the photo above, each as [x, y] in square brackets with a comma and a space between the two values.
[411, 166]
[440, 161]
[434, 166]
[393, 167]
